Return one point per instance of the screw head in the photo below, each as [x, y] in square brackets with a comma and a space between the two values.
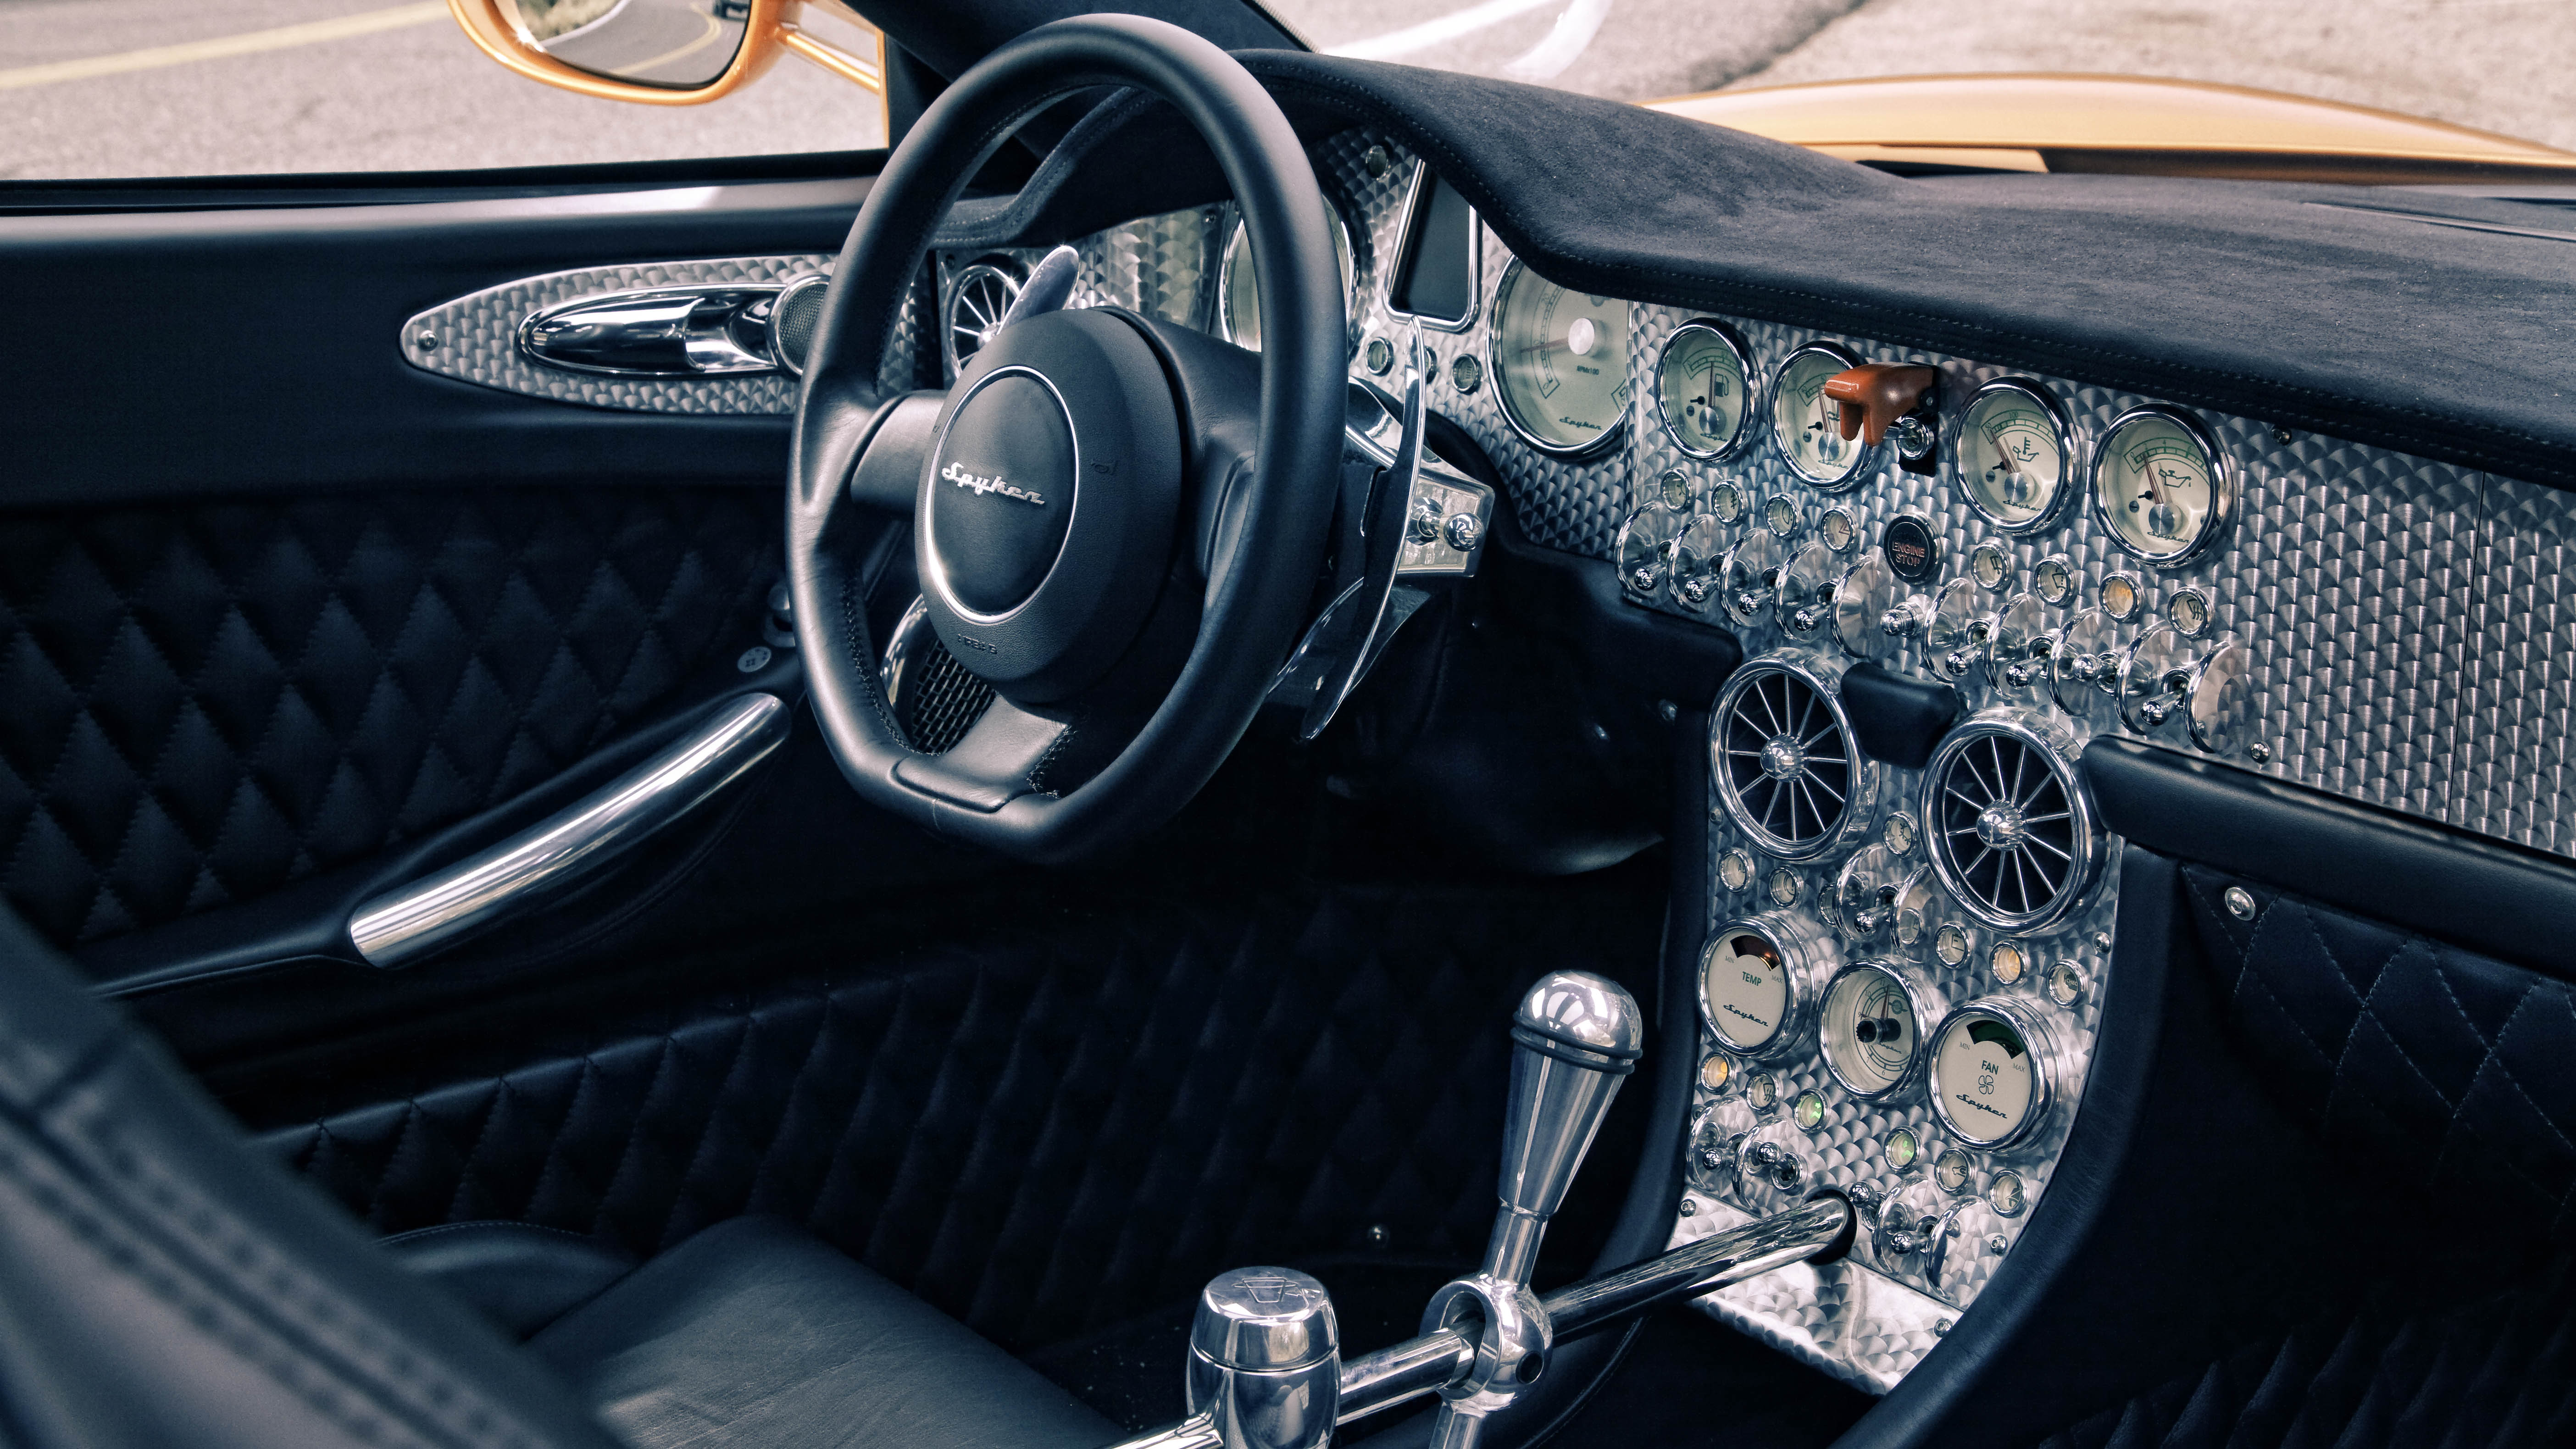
[2240, 903]
[1378, 162]
[2259, 752]
[1377, 1235]
[427, 341]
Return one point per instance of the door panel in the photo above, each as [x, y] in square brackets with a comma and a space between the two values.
[210, 701]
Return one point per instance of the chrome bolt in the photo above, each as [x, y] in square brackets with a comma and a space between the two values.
[1690, 1207]
[1995, 1245]
[2240, 903]
[1464, 532]
[427, 341]
[1667, 709]
[1941, 1329]
[2259, 752]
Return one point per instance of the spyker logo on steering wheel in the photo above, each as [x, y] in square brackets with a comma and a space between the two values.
[989, 483]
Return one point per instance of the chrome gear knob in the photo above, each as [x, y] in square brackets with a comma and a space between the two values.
[1265, 1366]
[1575, 1038]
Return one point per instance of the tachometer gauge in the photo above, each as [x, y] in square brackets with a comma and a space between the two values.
[1703, 388]
[2013, 453]
[2161, 486]
[1238, 292]
[1989, 1084]
[1807, 425]
[1870, 1030]
[1560, 363]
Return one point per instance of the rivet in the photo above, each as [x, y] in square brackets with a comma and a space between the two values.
[1941, 1329]
[426, 341]
[2240, 903]
[1668, 710]
[2280, 435]
[1995, 1245]
[1690, 1207]
[2259, 752]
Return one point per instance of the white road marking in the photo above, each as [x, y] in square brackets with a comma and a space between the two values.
[367, 22]
[1433, 32]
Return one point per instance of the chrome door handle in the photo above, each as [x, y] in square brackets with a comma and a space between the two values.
[697, 331]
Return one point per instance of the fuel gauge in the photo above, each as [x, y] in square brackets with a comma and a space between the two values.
[1806, 425]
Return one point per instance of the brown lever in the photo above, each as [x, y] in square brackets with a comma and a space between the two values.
[1875, 394]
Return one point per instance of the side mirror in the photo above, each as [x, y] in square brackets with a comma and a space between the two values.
[659, 52]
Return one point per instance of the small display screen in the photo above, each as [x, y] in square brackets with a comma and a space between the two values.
[1435, 278]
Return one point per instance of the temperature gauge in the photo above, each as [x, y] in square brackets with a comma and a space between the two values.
[1756, 981]
[2013, 453]
[1703, 386]
[2161, 487]
[1807, 425]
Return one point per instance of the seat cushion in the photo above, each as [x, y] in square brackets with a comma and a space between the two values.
[519, 1275]
[753, 1334]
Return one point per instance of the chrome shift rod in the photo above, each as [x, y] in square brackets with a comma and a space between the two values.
[1575, 1038]
[1265, 1368]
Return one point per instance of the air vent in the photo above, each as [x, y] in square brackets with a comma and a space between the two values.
[2013, 831]
[1781, 752]
[978, 299]
[793, 320]
[935, 698]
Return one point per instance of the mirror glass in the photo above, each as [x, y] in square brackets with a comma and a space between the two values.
[682, 44]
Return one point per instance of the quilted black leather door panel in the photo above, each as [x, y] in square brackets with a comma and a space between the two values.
[1048, 1124]
[209, 700]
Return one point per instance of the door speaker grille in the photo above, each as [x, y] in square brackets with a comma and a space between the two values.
[2013, 831]
[1786, 769]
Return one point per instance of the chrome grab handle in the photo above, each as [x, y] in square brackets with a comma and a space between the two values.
[722, 329]
[481, 891]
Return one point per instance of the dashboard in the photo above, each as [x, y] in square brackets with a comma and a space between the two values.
[1908, 943]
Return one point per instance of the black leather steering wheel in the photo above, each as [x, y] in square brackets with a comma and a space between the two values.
[1118, 522]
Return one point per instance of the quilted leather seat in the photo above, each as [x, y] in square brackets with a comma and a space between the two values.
[160, 1283]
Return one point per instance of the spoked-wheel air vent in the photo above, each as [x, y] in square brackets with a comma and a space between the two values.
[1781, 752]
[978, 299]
[2013, 832]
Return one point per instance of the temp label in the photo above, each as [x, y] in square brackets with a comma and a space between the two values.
[1745, 989]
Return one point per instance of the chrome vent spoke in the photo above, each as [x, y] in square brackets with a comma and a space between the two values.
[1783, 762]
[2013, 834]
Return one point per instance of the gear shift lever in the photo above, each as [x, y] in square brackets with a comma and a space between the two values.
[1575, 1037]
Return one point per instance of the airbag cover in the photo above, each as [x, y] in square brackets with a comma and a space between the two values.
[1001, 493]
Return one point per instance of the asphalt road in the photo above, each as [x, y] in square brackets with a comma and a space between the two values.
[90, 88]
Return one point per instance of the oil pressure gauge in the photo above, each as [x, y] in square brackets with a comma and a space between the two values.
[2161, 487]
[2014, 455]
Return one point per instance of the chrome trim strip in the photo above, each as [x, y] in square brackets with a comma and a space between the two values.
[402, 926]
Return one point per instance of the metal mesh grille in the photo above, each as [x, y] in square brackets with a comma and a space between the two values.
[941, 702]
[1784, 761]
[793, 326]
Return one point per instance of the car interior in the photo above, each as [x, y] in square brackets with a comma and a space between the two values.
[1249, 748]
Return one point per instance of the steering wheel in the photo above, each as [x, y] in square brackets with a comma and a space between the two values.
[1118, 522]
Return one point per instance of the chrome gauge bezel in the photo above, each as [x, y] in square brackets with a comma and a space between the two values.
[1756, 394]
[1807, 961]
[2038, 1041]
[1609, 437]
[2088, 846]
[1864, 458]
[2073, 476]
[1860, 805]
[1225, 264]
[2224, 486]
[1919, 999]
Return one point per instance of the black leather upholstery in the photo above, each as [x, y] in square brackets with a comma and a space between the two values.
[2497, 1371]
[2444, 1070]
[160, 1285]
[208, 701]
[520, 1276]
[1068, 1109]
[753, 1333]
